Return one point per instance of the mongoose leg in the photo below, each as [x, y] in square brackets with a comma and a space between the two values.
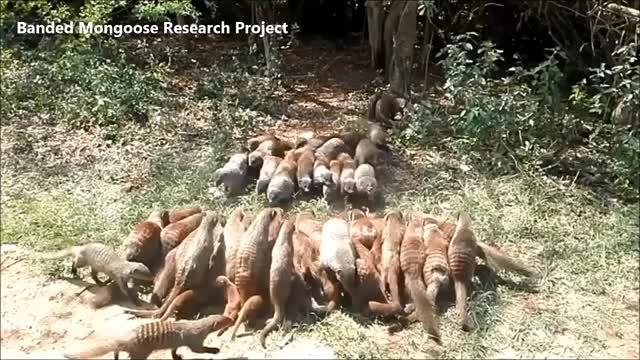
[249, 309]
[461, 304]
[224, 326]
[179, 304]
[116, 355]
[139, 354]
[131, 294]
[74, 269]
[174, 355]
[94, 276]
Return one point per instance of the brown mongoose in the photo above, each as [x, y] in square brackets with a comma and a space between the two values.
[281, 277]
[321, 174]
[252, 262]
[347, 180]
[192, 264]
[385, 108]
[392, 235]
[164, 278]
[332, 289]
[146, 338]
[362, 229]
[233, 303]
[235, 227]
[368, 153]
[172, 235]
[269, 166]
[366, 183]
[307, 264]
[178, 214]
[412, 257]
[337, 255]
[275, 147]
[331, 191]
[462, 263]
[307, 224]
[436, 266]
[332, 148]
[377, 135]
[312, 143]
[283, 184]
[102, 259]
[143, 242]
[233, 174]
[305, 169]
[254, 142]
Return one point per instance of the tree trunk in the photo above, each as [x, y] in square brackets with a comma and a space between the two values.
[427, 45]
[403, 42]
[390, 28]
[375, 21]
[263, 13]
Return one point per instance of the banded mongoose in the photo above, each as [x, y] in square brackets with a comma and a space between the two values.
[412, 258]
[233, 303]
[391, 273]
[366, 183]
[146, 338]
[165, 278]
[307, 263]
[143, 242]
[385, 108]
[337, 255]
[236, 225]
[368, 153]
[369, 282]
[436, 266]
[304, 172]
[274, 146]
[103, 259]
[254, 142]
[311, 143]
[172, 235]
[268, 169]
[332, 191]
[307, 224]
[281, 277]
[332, 148]
[283, 184]
[321, 174]
[178, 214]
[192, 264]
[347, 179]
[252, 263]
[233, 174]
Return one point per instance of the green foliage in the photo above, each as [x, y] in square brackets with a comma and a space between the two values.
[76, 86]
[159, 11]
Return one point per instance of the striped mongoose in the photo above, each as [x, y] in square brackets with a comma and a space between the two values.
[337, 255]
[233, 174]
[282, 186]
[146, 338]
[172, 235]
[178, 214]
[143, 242]
[102, 259]
[268, 169]
[252, 263]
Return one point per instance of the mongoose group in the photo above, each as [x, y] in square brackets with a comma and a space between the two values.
[339, 166]
[285, 265]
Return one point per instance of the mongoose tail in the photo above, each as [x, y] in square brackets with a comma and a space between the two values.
[98, 349]
[501, 261]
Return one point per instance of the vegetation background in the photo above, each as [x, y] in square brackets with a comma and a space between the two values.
[525, 115]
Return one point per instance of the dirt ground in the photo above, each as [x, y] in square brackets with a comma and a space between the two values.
[43, 318]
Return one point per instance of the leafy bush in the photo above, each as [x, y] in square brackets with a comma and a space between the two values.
[77, 87]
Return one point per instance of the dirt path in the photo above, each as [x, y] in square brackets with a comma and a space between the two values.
[42, 318]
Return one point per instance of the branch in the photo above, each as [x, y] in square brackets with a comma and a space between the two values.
[623, 11]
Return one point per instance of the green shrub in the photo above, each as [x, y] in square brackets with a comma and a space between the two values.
[77, 87]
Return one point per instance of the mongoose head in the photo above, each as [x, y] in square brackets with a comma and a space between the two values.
[159, 217]
[348, 186]
[276, 216]
[393, 214]
[255, 158]
[280, 192]
[356, 214]
[305, 183]
[139, 271]
[347, 276]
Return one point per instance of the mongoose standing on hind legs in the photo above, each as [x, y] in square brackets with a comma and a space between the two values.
[236, 225]
[462, 263]
[281, 277]
[412, 258]
[102, 259]
[337, 255]
[436, 266]
[146, 338]
[143, 242]
[252, 263]
[392, 235]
